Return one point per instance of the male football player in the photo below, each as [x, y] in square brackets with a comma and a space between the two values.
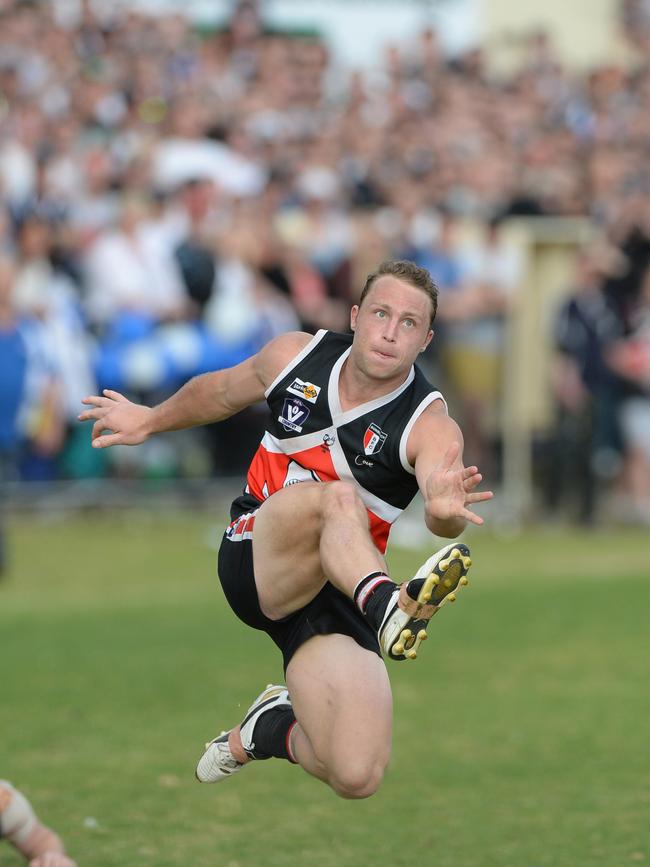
[356, 430]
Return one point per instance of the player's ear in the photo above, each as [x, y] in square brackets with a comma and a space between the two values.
[428, 339]
[353, 316]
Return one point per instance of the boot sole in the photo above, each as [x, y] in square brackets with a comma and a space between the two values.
[440, 586]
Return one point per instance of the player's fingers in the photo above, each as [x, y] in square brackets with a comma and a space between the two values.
[479, 497]
[99, 402]
[103, 442]
[98, 428]
[472, 481]
[471, 517]
[96, 412]
[94, 400]
[114, 395]
[468, 472]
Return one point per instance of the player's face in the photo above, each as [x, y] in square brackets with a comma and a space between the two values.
[391, 327]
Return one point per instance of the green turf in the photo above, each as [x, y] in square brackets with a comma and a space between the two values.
[521, 734]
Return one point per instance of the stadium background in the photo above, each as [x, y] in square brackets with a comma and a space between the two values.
[177, 185]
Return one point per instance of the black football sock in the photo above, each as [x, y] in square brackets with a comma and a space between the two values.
[371, 596]
[271, 734]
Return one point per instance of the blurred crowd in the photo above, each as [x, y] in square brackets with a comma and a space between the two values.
[171, 197]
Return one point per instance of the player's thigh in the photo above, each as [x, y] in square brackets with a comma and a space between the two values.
[286, 548]
[342, 699]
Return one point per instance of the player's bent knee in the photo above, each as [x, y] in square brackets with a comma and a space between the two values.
[357, 781]
[340, 497]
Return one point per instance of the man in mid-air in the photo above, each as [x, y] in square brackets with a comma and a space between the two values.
[355, 431]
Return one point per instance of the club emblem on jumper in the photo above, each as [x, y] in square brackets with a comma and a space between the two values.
[304, 389]
[373, 439]
[297, 473]
[294, 414]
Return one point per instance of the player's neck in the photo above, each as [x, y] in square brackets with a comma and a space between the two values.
[356, 387]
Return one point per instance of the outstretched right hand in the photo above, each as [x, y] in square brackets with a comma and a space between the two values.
[129, 422]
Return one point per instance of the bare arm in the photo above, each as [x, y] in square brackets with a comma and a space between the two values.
[207, 398]
[44, 849]
[40, 845]
[435, 448]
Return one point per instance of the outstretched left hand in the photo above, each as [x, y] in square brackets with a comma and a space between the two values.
[450, 489]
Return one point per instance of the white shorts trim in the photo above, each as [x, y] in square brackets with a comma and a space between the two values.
[242, 527]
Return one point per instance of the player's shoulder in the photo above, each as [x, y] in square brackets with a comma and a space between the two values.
[436, 417]
[285, 347]
[434, 423]
[278, 353]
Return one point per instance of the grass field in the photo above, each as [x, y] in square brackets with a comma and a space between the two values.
[521, 734]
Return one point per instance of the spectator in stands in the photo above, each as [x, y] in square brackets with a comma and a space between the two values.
[31, 425]
[132, 270]
[45, 293]
[630, 359]
[492, 276]
[586, 441]
[195, 250]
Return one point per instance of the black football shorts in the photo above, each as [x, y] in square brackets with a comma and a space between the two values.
[330, 611]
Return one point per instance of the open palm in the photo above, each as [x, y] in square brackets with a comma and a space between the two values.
[113, 412]
[450, 488]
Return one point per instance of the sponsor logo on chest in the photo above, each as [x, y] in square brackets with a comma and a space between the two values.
[373, 439]
[294, 414]
[306, 390]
